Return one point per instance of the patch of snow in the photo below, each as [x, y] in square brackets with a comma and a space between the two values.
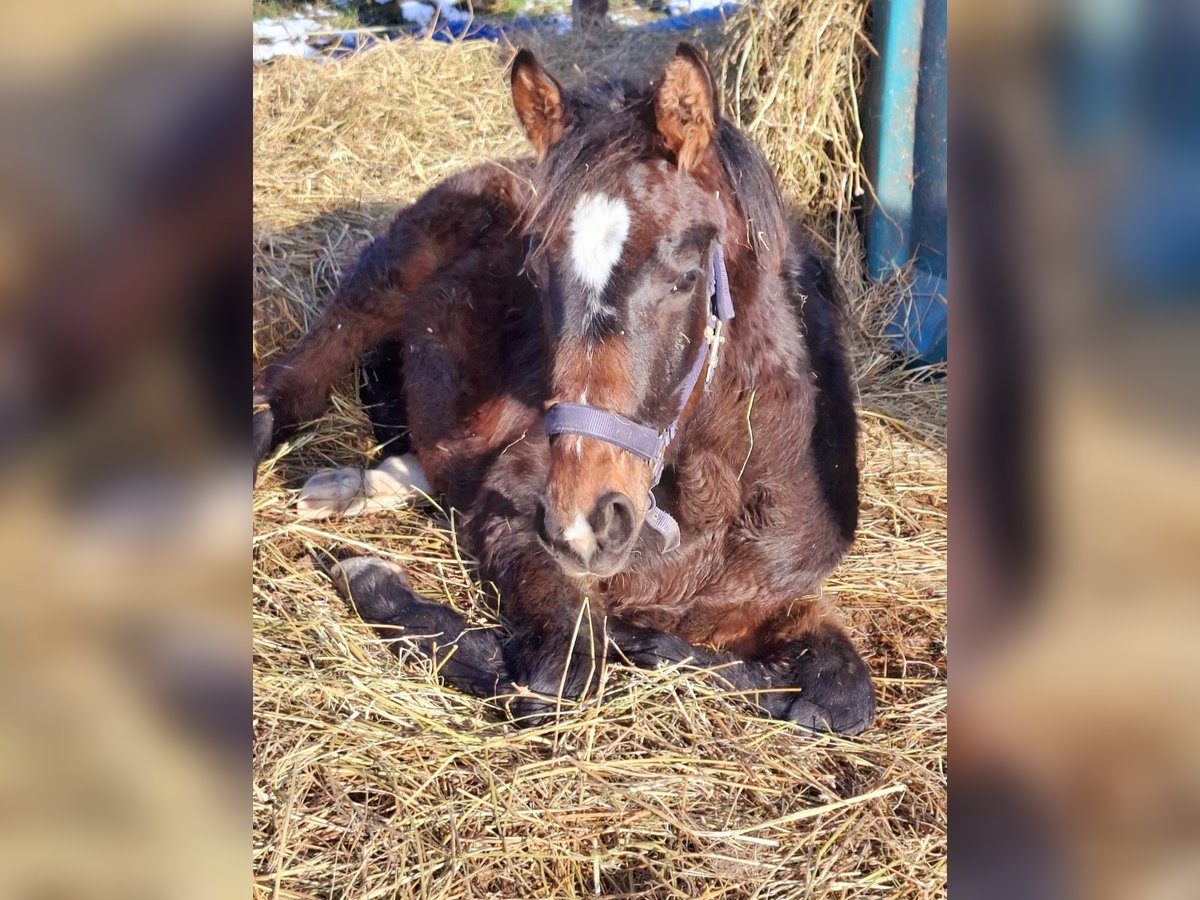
[283, 37]
[423, 13]
[415, 11]
[264, 52]
[559, 23]
[284, 29]
[683, 7]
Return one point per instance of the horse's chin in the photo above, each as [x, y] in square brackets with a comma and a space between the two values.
[595, 571]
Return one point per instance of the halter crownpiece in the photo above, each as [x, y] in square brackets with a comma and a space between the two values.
[642, 440]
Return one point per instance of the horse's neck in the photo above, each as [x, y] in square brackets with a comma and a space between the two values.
[762, 348]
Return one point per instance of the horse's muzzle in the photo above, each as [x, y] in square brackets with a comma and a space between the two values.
[598, 543]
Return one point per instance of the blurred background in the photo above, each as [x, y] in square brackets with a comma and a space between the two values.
[125, 218]
[125, 163]
[1075, 510]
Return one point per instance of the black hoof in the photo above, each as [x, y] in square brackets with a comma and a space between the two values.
[551, 671]
[836, 693]
[529, 711]
[846, 719]
[808, 715]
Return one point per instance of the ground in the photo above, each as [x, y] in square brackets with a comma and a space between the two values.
[372, 780]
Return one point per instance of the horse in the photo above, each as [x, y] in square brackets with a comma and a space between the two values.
[619, 360]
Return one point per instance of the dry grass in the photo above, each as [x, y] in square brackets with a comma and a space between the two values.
[791, 72]
[370, 779]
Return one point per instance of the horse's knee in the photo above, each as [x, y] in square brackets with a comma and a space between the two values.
[285, 396]
[836, 692]
[646, 648]
[547, 667]
[263, 427]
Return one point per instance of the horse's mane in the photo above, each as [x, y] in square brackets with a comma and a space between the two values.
[612, 127]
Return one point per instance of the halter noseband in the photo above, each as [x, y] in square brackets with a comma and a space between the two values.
[642, 440]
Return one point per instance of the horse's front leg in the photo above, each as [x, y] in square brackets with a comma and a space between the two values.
[557, 646]
[465, 657]
[555, 651]
[804, 668]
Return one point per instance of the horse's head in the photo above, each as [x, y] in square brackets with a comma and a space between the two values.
[621, 245]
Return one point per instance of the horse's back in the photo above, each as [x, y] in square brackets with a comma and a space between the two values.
[458, 373]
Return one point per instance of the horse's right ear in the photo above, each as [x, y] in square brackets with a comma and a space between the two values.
[686, 107]
[538, 99]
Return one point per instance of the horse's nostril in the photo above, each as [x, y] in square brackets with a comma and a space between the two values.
[614, 522]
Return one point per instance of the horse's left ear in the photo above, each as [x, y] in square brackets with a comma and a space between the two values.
[686, 106]
[538, 100]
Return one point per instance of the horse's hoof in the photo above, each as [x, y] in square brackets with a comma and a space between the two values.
[350, 492]
[836, 692]
[645, 648]
[844, 712]
[808, 715]
[332, 492]
[530, 711]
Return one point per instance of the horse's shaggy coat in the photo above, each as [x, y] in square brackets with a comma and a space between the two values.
[581, 276]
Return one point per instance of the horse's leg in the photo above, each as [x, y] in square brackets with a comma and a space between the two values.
[295, 389]
[382, 393]
[398, 479]
[557, 647]
[809, 671]
[472, 211]
[465, 657]
[835, 686]
[541, 663]
[473, 348]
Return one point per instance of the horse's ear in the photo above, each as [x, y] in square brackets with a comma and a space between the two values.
[685, 106]
[538, 99]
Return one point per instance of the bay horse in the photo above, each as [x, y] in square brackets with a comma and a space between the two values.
[620, 363]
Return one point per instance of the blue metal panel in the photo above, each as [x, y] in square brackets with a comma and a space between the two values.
[906, 164]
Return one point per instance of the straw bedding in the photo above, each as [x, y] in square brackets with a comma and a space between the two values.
[372, 780]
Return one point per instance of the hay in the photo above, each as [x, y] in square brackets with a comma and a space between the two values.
[793, 72]
[371, 780]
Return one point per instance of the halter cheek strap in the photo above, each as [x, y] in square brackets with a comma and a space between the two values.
[642, 440]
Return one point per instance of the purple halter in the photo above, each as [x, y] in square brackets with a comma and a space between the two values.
[642, 440]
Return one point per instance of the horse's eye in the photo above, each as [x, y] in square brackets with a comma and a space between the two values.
[686, 282]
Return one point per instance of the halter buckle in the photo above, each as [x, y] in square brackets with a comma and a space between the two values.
[714, 334]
